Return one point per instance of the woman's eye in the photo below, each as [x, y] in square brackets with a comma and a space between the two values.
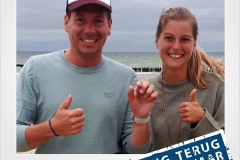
[185, 39]
[169, 38]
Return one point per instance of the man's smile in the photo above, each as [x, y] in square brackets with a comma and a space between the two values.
[89, 40]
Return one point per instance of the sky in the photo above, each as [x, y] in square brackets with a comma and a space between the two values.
[40, 24]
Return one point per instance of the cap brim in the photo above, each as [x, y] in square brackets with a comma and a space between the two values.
[78, 4]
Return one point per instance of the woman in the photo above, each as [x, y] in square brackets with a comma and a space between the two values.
[190, 86]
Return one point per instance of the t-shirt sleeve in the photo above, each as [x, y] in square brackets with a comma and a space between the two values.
[214, 121]
[25, 104]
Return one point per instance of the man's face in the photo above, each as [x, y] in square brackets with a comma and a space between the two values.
[88, 28]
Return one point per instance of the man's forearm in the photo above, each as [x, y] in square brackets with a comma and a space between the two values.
[36, 135]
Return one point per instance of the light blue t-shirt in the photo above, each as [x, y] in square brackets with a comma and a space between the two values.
[101, 91]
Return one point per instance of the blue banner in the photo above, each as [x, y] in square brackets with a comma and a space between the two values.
[212, 146]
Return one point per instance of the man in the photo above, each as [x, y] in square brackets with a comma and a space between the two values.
[97, 90]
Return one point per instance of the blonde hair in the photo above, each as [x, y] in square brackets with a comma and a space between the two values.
[196, 66]
[199, 58]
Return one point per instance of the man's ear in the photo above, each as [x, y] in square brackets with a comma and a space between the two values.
[109, 26]
[66, 22]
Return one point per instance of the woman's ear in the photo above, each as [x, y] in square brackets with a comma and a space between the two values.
[156, 42]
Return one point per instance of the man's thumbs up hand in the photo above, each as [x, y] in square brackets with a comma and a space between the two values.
[68, 122]
[65, 105]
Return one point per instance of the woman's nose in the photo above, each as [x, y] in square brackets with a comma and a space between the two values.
[176, 45]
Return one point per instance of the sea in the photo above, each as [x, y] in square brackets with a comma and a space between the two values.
[131, 59]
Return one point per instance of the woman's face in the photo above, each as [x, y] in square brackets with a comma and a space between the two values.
[176, 44]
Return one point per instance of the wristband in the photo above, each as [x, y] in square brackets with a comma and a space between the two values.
[140, 120]
[52, 128]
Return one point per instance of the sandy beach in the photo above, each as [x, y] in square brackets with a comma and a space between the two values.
[143, 76]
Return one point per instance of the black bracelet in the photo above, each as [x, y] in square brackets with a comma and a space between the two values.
[52, 128]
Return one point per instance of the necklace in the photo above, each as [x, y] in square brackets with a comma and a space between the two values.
[166, 117]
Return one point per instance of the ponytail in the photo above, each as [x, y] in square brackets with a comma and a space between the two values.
[196, 67]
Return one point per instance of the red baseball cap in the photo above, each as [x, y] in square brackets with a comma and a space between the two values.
[73, 4]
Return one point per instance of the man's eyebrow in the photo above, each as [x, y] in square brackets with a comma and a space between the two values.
[99, 16]
[79, 14]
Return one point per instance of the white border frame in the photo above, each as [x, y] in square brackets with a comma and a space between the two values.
[232, 52]
[8, 84]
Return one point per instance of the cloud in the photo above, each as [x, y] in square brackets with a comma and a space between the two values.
[134, 23]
